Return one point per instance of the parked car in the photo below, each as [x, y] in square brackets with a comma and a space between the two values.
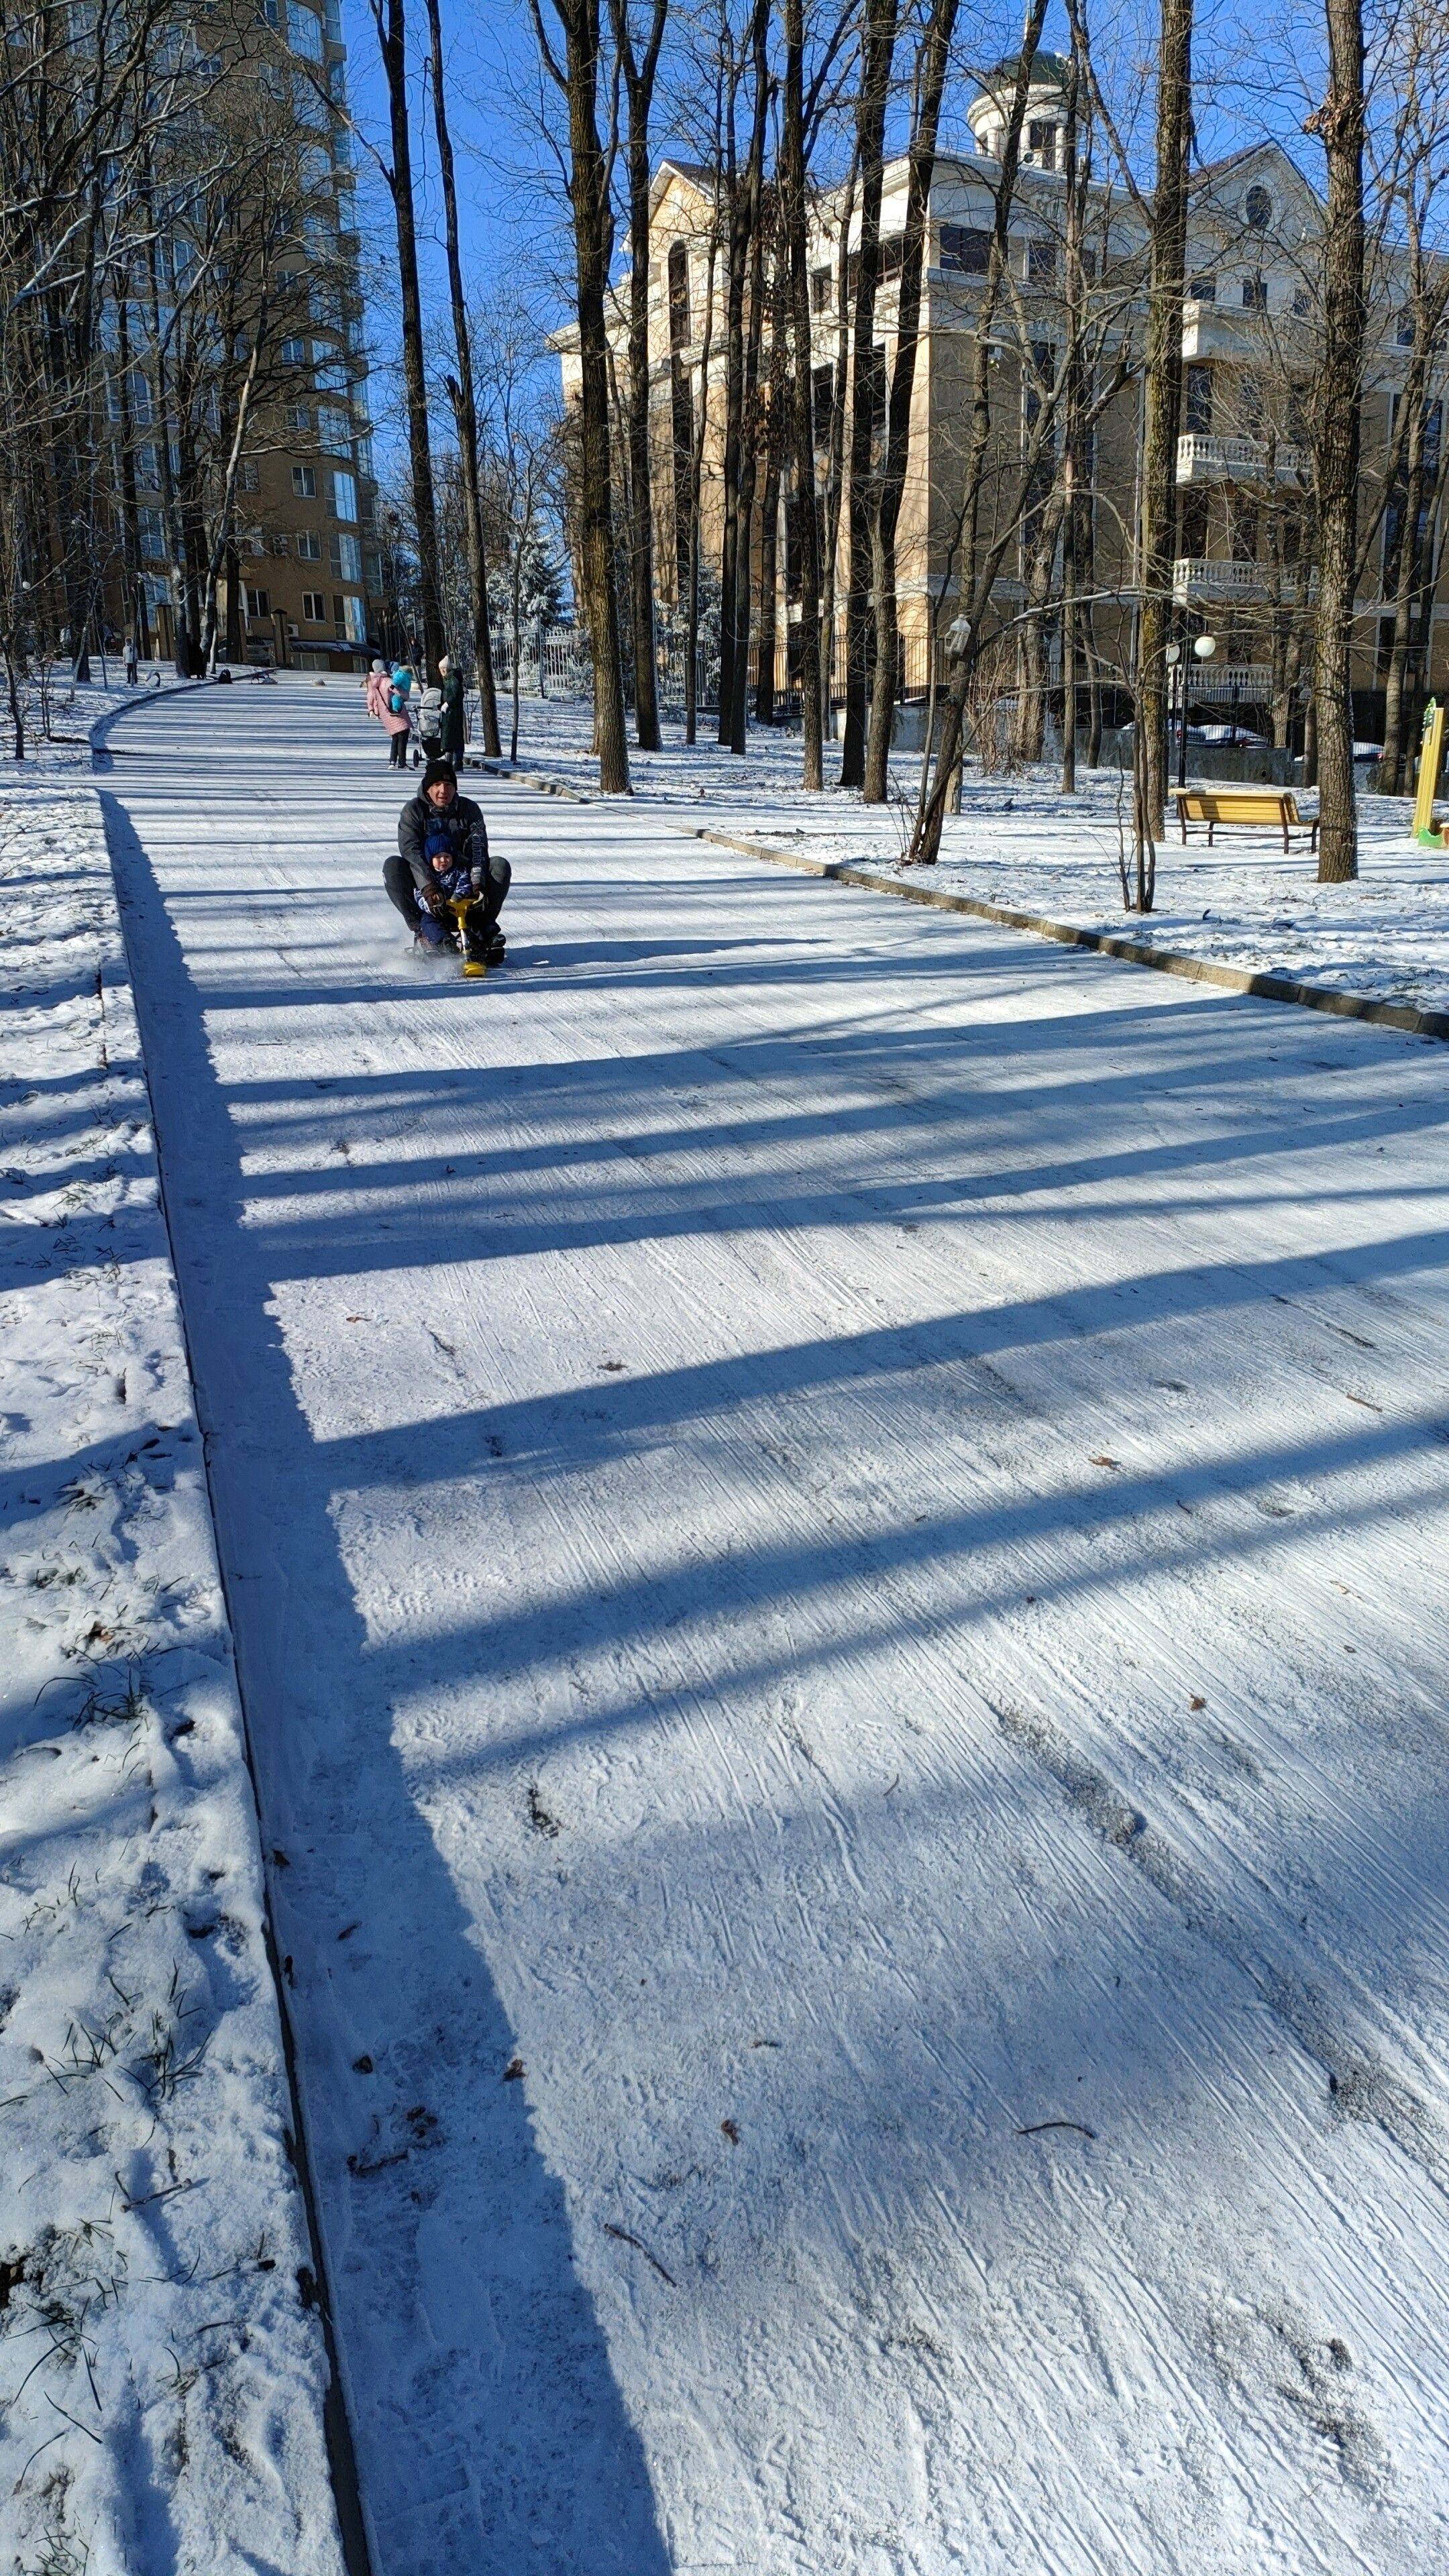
[1228, 737]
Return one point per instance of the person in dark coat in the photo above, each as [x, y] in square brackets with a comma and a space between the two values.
[452, 740]
[442, 853]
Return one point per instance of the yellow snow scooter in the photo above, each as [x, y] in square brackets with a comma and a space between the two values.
[460, 905]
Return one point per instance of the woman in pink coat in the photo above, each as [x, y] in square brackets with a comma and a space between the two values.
[379, 704]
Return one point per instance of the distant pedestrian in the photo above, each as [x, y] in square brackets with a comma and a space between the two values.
[430, 718]
[382, 702]
[404, 702]
[455, 725]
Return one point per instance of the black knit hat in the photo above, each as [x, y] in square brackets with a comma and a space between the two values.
[436, 772]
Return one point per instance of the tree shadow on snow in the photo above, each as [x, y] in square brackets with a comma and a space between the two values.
[490, 2429]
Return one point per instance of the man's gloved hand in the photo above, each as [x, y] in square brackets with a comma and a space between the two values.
[430, 899]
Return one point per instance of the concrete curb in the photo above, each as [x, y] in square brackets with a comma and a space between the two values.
[1267, 986]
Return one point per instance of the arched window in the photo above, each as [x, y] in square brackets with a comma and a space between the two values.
[1257, 210]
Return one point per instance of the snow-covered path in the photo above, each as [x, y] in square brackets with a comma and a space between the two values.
[836, 1528]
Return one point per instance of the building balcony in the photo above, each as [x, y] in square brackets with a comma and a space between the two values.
[1204, 459]
[1251, 682]
[1210, 577]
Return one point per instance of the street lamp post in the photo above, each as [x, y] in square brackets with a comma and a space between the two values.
[1204, 647]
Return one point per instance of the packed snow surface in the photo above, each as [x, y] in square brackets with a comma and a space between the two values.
[161, 2365]
[1020, 843]
[836, 1522]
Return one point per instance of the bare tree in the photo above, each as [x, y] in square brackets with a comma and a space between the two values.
[744, 317]
[463, 396]
[929, 90]
[981, 561]
[589, 179]
[1339, 123]
[640, 67]
[878, 37]
[1161, 409]
[797, 247]
[390, 20]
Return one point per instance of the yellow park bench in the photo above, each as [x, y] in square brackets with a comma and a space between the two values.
[1252, 805]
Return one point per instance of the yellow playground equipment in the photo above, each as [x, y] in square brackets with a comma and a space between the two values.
[1431, 753]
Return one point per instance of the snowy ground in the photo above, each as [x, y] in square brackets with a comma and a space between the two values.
[836, 1524]
[1018, 842]
[161, 2379]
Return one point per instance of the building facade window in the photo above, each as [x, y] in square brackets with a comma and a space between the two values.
[304, 482]
[1041, 263]
[304, 31]
[355, 621]
[821, 289]
[344, 496]
[1203, 289]
[294, 353]
[314, 608]
[259, 602]
[1041, 142]
[309, 545]
[1257, 210]
[965, 249]
[1255, 293]
[152, 535]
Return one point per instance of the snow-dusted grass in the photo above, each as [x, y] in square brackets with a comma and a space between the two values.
[161, 2377]
[1020, 843]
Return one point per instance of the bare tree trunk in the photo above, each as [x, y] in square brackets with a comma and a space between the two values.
[750, 446]
[792, 183]
[931, 72]
[833, 498]
[221, 542]
[390, 19]
[461, 395]
[1340, 122]
[1405, 580]
[593, 244]
[130, 507]
[1162, 398]
[639, 76]
[234, 645]
[740, 350]
[878, 49]
[696, 482]
[768, 619]
[941, 764]
[1073, 188]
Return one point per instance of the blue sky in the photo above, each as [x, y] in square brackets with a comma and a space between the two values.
[1257, 76]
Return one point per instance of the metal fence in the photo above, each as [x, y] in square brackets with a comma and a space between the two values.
[555, 662]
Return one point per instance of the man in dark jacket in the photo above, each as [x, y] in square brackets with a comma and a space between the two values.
[442, 853]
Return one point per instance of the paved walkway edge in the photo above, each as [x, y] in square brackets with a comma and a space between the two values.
[1108, 943]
